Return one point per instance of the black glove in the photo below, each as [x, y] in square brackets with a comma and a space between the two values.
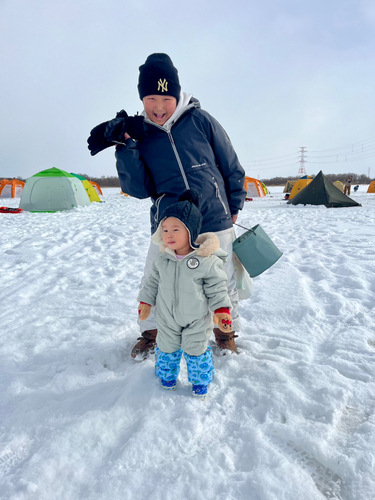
[97, 141]
[112, 132]
[132, 125]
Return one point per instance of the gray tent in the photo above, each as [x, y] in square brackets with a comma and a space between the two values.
[53, 190]
[321, 191]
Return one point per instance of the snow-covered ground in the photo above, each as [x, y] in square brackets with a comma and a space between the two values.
[291, 417]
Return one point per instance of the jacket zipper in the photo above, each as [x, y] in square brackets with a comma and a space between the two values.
[157, 205]
[174, 146]
[178, 160]
[218, 195]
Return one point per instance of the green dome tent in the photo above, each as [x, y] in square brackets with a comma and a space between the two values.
[321, 191]
[53, 190]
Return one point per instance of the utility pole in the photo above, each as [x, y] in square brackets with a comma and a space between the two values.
[302, 161]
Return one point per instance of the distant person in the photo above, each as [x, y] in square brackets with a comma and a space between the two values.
[348, 184]
[356, 188]
[187, 283]
[171, 147]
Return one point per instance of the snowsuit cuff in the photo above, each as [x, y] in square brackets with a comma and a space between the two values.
[222, 310]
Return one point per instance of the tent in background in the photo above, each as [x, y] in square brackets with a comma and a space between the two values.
[264, 188]
[371, 188]
[299, 185]
[253, 188]
[11, 189]
[339, 185]
[53, 190]
[321, 191]
[97, 188]
[91, 193]
[289, 186]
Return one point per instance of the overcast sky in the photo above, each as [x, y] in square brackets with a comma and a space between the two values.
[277, 74]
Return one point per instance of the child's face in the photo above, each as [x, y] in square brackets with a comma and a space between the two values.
[176, 236]
[159, 108]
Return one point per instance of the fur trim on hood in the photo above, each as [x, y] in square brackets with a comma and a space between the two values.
[208, 242]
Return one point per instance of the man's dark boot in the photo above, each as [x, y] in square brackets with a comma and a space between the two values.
[225, 340]
[146, 344]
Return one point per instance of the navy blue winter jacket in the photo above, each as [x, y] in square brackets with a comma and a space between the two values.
[190, 151]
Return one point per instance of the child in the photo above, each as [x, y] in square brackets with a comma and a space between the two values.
[186, 283]
[178, 146]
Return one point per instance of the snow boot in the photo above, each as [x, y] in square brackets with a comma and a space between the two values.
[225, 340]
[146, 344]
[199, 391]
[168, 385]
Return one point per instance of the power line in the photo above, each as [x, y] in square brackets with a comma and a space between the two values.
[371, 139]
[346, 159]
[363, 150]
[291, 157]
[284, 160]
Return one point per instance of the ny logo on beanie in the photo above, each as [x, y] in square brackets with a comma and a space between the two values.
[163, 85]
[158, 65]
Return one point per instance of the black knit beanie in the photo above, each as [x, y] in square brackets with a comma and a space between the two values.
[158, 76]
[186, 210]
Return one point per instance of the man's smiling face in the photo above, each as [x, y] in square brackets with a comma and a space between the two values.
[159, 108]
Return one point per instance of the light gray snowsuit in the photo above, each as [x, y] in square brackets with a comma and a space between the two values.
[186, 292]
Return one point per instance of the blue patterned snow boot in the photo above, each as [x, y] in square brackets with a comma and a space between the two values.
[168, 385]
[199, 391]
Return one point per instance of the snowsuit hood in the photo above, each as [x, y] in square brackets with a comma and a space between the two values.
[208, 244]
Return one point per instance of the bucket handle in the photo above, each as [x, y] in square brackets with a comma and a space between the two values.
[252, 230]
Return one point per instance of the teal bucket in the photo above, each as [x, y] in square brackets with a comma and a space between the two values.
[256, 251]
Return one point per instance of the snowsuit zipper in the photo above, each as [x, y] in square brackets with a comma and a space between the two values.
[175, 284]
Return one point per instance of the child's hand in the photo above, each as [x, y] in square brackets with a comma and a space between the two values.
[144, 311]
[223, 320]
[97, 141]
[123, 127]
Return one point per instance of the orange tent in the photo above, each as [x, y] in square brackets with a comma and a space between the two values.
[11, 189]
[254, 188]
[371, 188]
[97, 188]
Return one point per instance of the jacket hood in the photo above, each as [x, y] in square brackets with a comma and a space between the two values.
[185, 102]
[208, 244]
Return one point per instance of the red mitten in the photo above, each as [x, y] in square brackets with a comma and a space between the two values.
[223, 319]
[144, 310]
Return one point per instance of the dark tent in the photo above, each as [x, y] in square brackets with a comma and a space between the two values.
[321, 191]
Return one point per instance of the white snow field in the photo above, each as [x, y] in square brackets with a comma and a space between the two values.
[292, 417]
